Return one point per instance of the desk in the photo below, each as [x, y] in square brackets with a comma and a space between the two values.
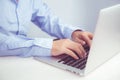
[15, 68]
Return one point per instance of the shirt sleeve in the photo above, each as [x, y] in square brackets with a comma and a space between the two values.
[50, 23]
[17, 45]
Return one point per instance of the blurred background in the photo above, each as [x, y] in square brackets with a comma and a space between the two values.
[81, 13]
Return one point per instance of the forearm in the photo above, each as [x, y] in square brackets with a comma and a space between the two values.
[26, 52]
[50, 23]
[23, 46]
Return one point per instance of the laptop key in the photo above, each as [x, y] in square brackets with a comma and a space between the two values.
[71, 62]
[63, 58]
[81, 65]
[67, 60]
[77, 62]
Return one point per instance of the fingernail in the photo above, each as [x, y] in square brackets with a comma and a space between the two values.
[85, 54]
[84, 42]
[77, 58]
[82, 56]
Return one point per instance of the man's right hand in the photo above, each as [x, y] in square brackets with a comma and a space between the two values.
[67, 46]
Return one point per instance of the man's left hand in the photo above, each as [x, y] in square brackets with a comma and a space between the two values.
[82, 37]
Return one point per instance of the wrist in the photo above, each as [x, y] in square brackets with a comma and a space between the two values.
[75, 33]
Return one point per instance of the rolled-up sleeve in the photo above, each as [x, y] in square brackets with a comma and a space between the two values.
[17, 43]
[22, 46]
[50, 23]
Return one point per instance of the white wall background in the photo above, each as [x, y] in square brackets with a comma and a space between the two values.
[82, 13]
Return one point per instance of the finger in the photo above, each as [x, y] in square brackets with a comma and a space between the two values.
[87, 39]
[90, 36]
[71, 53]
[78, 49]
[80, 41]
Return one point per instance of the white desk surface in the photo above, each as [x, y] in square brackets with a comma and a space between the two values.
[15, 68]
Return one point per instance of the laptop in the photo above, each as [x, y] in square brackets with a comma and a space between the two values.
[105, 44]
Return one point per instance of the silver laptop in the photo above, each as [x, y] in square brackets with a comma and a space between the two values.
[106, 44]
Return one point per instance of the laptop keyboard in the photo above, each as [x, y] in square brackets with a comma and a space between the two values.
[69, 61]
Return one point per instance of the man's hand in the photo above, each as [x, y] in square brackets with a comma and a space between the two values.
[82, 37]
[66, 46]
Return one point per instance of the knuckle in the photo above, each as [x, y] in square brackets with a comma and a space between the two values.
[83, 35]
[79, 45]
[66, 40]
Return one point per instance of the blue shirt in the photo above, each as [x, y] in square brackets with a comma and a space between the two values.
[15, 17]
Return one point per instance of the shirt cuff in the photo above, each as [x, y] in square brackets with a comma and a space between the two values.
[42, 46]
[39, 51]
